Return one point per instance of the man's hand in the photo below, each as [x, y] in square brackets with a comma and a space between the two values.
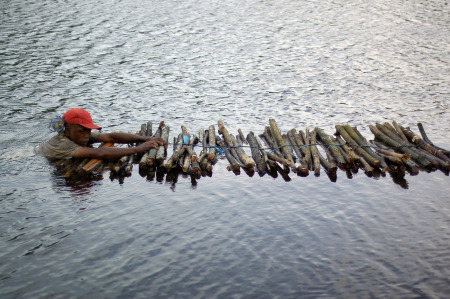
[157, 140]
[152, 142]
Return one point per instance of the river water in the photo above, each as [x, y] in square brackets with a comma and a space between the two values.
[304, 63]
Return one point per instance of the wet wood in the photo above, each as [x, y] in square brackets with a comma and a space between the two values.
[212, 142]
[270, 141]
[303, 169]
[435, 163]
[264, 154]
[161, 152]
[352, 156]
[428, 147]
[179, 151]
[276, 134]
[362, 142]
[401, 146]
[95, 162]
[151, 158]
[399, 131]
[241, 135]
[256, 153]
[403, 157]
[148, 130]
[425, 137]
[243, 157]
[355, 146]
[306, 150]
[329, 167]
[331, 147]
[233, 163]
[315, 153]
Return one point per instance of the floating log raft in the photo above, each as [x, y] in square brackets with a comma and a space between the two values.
[285, 151]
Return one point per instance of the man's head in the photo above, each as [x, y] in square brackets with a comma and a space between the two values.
[78, 123]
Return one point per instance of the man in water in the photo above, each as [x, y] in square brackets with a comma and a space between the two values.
[75, 140]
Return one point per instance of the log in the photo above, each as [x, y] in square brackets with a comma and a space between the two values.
[95, 162]
[425, 137]
[264, 154]
[362, 142]
[179, 151]
[432, 162]
[256, 153]
[303, 169]
[212, 142]
[161, 152]
[241, 135]
[246, 161]
[152, 152]
[315, 154]
[403, 157]
[352, 156]
[233, 163]
[331, 147]
[399, 131]
[279, 140]
[359, 150]
[305, 136]
[330, 168]
[149, 131]
[403, 147]
[271, 142]
[444, 161]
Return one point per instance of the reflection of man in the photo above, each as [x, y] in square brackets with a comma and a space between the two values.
[74, 140]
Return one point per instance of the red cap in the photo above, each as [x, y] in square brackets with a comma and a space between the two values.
[77, 116]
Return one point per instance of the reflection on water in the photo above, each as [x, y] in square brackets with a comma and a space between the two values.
[221, 235]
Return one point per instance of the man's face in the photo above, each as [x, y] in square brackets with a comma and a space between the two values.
[78, 134]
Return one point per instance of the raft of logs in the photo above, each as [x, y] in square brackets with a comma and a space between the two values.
[395, 149]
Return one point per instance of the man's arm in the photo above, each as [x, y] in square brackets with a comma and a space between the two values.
[120, 137]
[115, 152]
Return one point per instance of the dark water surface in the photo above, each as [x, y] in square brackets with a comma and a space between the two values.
[304, 63]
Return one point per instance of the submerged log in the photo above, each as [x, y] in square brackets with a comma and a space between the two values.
[332, 147]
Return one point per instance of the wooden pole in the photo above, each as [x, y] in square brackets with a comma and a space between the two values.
[315, 154]
[331, 147]
[161, 152]
[276, 134]
[359, 150]
[248, 163]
